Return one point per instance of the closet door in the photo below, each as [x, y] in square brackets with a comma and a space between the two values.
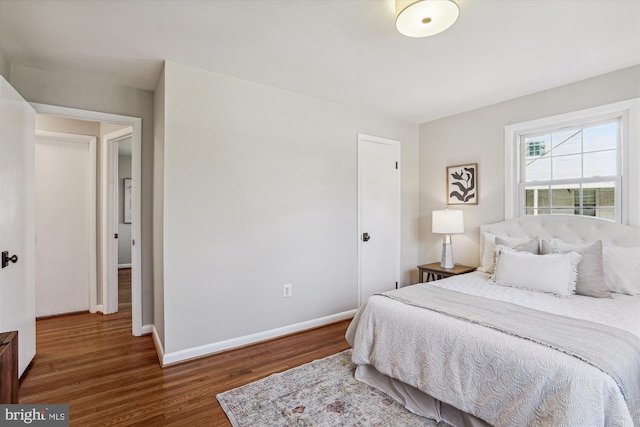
[379, 215]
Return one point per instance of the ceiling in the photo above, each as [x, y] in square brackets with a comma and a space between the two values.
[346, 51]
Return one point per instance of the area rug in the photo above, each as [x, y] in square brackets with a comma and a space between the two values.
[321, 393]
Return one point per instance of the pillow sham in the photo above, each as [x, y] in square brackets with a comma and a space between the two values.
[488, 260]
[552, 273]
[590, 270]
[622, 269]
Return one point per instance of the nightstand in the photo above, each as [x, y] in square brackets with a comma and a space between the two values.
[435, 272]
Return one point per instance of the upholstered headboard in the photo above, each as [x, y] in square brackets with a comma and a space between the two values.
[569, 228]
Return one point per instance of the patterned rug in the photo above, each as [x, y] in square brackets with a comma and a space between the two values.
[320, 393]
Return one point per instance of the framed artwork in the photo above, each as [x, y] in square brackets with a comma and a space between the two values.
[462, 184]
[128, 204]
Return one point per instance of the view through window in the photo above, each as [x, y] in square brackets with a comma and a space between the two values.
[572, 170]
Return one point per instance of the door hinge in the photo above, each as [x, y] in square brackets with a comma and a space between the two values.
[115, 236]
[133, 242]
[396, 285]
[396, 165]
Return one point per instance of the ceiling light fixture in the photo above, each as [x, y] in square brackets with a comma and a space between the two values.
[424, 18]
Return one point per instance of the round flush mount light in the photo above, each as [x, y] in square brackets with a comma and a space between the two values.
[423, 18]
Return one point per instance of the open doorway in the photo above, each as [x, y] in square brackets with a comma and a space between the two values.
[107, 226]
[117, 210]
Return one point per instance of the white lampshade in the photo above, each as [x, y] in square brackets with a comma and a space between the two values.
[448, 221]
[422, 18]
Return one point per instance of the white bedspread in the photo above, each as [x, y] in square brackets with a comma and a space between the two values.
[505, 380]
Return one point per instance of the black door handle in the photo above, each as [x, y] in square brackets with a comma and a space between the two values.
[365, 237]
[6, 258]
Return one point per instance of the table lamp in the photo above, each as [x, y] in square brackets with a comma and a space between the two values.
[447, 222]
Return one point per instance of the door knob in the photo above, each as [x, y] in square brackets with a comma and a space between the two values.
[365, 237]
[6, 258]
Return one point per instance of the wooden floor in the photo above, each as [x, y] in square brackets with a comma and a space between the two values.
[109, 377]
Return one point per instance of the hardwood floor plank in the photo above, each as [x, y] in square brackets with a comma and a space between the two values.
[110, 378]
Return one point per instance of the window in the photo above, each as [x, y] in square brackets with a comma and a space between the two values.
[572, 164]
[578, 174]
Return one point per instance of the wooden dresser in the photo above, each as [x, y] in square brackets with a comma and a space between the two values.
[9, 367]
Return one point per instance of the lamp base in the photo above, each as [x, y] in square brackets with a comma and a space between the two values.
[446, 259]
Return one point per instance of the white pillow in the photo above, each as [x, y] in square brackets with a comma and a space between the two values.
[622, 269]
[488, 259]
[553, 273]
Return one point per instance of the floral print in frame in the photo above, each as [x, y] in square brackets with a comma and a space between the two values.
[462, 184]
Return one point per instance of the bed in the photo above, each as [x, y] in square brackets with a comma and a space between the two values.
[529, 340]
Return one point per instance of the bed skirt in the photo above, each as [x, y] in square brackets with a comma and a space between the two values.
[417, 401]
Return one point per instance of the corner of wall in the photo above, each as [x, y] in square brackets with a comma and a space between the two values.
[158, 208]
[157, 343]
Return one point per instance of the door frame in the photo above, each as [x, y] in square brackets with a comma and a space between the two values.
[136, 176]
[93, 211]
[365, 139]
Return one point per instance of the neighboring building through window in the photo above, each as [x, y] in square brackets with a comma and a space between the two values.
[535, 148]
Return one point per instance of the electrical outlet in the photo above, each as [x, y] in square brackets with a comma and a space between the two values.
[286, 290]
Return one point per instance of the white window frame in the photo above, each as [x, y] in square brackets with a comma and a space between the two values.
[625, 111]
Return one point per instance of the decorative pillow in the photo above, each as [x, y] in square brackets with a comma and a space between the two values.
[553, 273]
[622, 269]
[489, 252]
[590, 271]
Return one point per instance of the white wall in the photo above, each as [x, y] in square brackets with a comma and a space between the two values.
[5, 67]
[88, 93]
[260, 190]
[124, 230]
[478, 137]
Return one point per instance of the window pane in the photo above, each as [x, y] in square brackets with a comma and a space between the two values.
[537, 169]
[566, 197]
[608, 214]
[537, 212]
[568, 142]
[600, 163]
[537, 146]
[564, 212]
[537, 197]
[601, 137]
[601, 194]
[567, 167]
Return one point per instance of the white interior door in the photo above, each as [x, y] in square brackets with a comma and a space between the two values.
[65, 223]
[379, 211]
[17, 283]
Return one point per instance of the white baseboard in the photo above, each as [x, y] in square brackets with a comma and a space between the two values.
[205, 350]
[158, 345]
[147, 329]
[100, 308]
[124, 265]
